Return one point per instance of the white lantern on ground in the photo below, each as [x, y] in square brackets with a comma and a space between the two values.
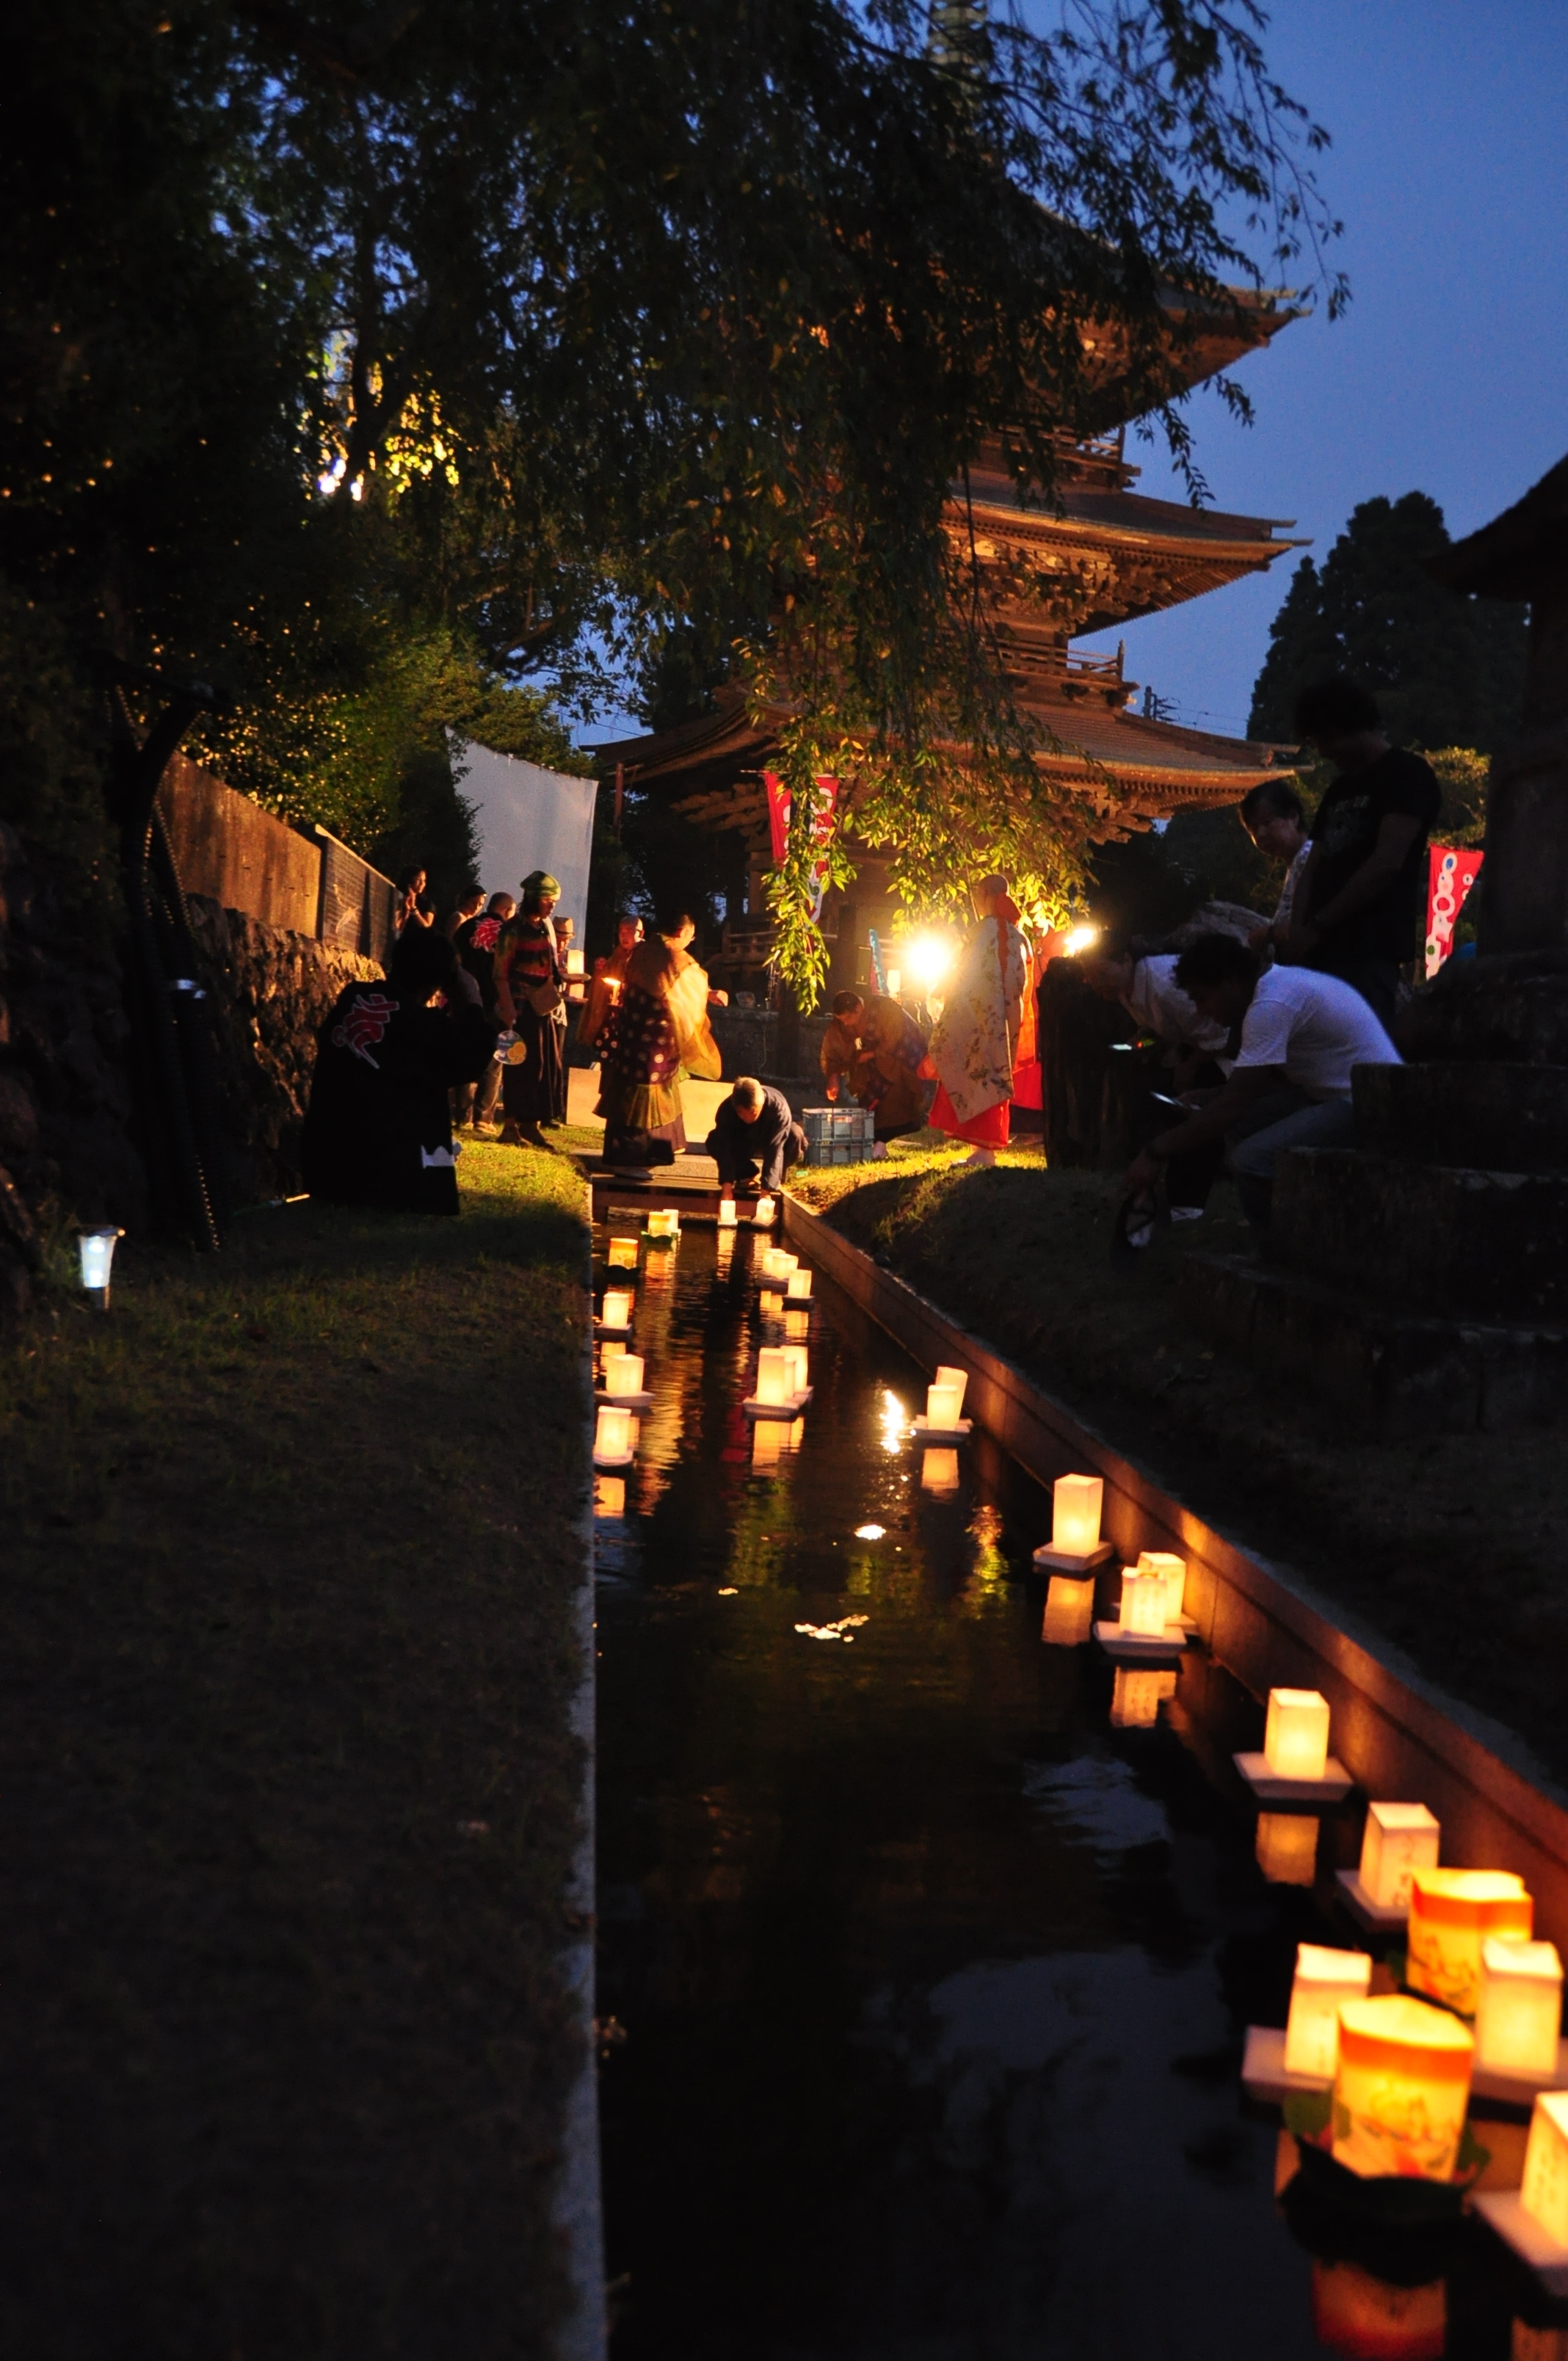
[1400, 2089]
[95, 1250]
[1143, 1604]
[1296, 1740]
[1518, 2021]
[1544, 2194]
[727, 1214]
[1286, 1847]
[612, 1437]
[1174, 1571]
[773, 1373]
[1324, 1979]
[1078, 1503]
[623, 1373]
[1399, 1839]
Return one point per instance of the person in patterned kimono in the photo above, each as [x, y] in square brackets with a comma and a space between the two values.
[378, 1128]
[972, 1046]
[658, 1025]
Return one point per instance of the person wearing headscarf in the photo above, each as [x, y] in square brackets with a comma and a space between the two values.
[530, 987]
[972, 1046]
[658, 1027]
[378, 1128]
[608, 982]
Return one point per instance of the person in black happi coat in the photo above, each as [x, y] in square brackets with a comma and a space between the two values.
[378, 1131]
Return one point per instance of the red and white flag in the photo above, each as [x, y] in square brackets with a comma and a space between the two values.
[1452, 871]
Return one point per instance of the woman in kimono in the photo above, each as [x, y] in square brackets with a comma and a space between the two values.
[529, 986]
[972, 1046]
[658, 1025]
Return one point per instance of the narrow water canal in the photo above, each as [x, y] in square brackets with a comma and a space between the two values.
[932, 1981]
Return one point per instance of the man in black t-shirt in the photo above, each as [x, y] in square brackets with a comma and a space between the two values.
[1358, 907]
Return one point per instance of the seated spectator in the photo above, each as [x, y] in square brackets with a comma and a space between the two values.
[1301, 1035]
[378, 1129]
[755, 1138]
[876, 1045]
[1194, 1050]
[1275, 819]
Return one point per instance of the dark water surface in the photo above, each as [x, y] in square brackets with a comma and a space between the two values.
[933, 1982]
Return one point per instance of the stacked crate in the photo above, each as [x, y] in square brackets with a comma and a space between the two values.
[837, 1134]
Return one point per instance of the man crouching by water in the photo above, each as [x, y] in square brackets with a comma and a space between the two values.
[1301, 1035]
[755, 1138]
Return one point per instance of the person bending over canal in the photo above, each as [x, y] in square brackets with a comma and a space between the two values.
[755, 1138]
[1302, 1035]
[971, 1048]
[876, 1046]
[530, 987]
[658, 1025]
[1192, 1052]
[378, 1128]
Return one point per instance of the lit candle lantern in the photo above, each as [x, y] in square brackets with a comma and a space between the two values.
[664, 1223]
[1518, 2020]
[1135, 1700]
[762, 1214]
[612, 1437]
[623, 1373]
[1324, 1979]
[621, 1254]
[798, 1359]
[1078, 1502]
[1296, 1739]
[1400, 2089]
[1070, 1607]
[1399, 1839]
[942, 1408]
[1173, 1570]
[573, 963]
[1544, 2194]
[939, 1471]
[727, 1214]
[800, 1285]
[957, 1379]
[1143, 1603]
[1286, 1847]
[1452, 1913]
[618, 1303]
[773, 1372]
[96, 1251]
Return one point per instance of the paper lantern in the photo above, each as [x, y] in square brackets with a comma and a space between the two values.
[957, 1378]
[609, 1347]
[1143, 1604]
[573, 963]
[762, 1214]
[1070, 1607]
[1400, 2089]
[617, 1308]
[1372, 2320]
[621, 1254]
[774, 1371]
[665, 1223]
[623, 1373]
[1135, 1700]
[727, 1217]
[799, 1284]
[1324, 1979]
[612, 1437]
[1545, 2193]
[96, 1251]
[798, 1360]
[1078, 1503]
[778, 1263]
[1286, 1847]
[1296, 1740]
[1399, 1839]
[939, 1471]
[1173, 1570]
[1518, 2017]
[1452, 1913]
[942, 1408]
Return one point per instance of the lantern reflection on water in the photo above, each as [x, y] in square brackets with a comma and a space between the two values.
[1136, 1698]
[1518, 2019]
[1322, 1979]
[772, 1439]
[609, 1496]
[1288, 1847]
[940, 1472]
[1452, 1913]
[1070, 1607]
[1400, 2089]
[1372, 2320]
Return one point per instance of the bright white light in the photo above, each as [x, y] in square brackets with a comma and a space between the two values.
[96, 1250]
[870, 1532]
[929, 960]
[1081, 939]
[893, 1420]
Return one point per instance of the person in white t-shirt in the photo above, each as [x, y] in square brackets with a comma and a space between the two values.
[1301, 1035]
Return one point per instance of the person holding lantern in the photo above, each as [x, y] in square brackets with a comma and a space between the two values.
[608, 982]
[973, 1047]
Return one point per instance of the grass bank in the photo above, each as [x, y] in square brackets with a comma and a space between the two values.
[286, 1646]
[1453, 1547]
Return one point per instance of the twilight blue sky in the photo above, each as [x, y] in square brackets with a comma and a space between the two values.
[1448, 375]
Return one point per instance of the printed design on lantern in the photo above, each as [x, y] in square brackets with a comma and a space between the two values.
[362, 1024]
[1397, 2122]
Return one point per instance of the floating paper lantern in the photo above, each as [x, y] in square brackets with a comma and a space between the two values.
[727, 1213]
[1545, 2193]
[778, 1263]
[1069, 1607]
[1143, 1604]
[1135, 1700]
[798, 1360]
[957, 1379]
[618, 1307]
[1372, 2320]
[1078, 1503]
[774, 1374]
[1399, 1839]
[1519, 2018]
[96, 1251]
[1400, 2089]
[621, 1254]
[1296, 1740]
[1286, 1847]
[612, 1437]
[942, 1408]
[939, 1471]
[1324, 1979]
[1452, 1913]
[799, 1285]
[623, 1373]
[1173, 1570]
[762, 1214]
[665, 1223]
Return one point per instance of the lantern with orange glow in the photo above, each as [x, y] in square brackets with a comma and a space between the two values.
[1174, 1571]
[621, 1254]
[1518, 2017]
[762, 1214]
[1399, 1839]
[1286, 1847]
[1296, 1739]
[1069, 1610]
[799, 1288]
[1143, 1604]
[940, 1473]
[612, 1437]
[1452, 1913]
[663, 1226]
[623, 1376]
[1545, 2193]
[615, 1318]
[1400, 2089]
[1077, 1507]
[1134, 1699]
[728, 1217]
[1323, 1980]
[947, 1375]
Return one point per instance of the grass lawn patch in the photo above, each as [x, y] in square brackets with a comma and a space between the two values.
[1451, 1546]
[287, 1645]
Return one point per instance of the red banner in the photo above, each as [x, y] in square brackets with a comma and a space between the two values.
[1452, 871]
[780, 803]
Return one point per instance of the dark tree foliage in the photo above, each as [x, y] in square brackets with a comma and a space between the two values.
[1446, 670]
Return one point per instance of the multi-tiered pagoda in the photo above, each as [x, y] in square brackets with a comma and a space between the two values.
[1095, 555]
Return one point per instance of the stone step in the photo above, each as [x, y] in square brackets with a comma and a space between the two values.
[1507, 1009]
[1487, 1115]
[1488, 1245]
[1377, 1370]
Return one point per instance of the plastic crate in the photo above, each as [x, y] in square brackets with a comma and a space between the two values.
[838, 1134]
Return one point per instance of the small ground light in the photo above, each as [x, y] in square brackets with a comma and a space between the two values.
[96, 1249]
[871, 1532]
